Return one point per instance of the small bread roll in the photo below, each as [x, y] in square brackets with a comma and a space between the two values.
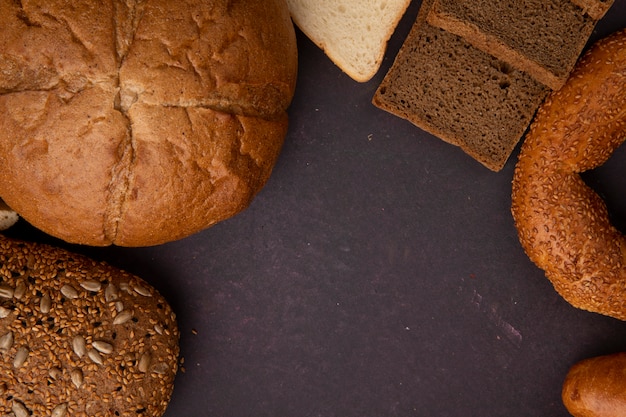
[595, 387]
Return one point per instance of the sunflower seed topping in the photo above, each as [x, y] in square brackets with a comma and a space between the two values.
[78, 346]
[77, 377]
[69, 291]
[161, 368]
[95, 356]
[20, 357]
[91, 285]
[144, 362]
[6, 341]
[141, 290]
[110, 293]
[122, 317]
[45, 304]
[19, 409]
[71, 328]
[6, 291]
[59, 411]
[20, 290]
[102, 347]
[55, 373]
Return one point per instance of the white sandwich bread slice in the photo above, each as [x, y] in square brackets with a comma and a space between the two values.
[352, 33]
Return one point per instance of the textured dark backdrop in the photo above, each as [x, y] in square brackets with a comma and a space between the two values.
[378, 274]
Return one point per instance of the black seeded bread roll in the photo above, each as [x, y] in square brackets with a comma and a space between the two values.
[81, 338]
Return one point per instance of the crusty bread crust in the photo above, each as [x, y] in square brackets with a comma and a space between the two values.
[140, 122]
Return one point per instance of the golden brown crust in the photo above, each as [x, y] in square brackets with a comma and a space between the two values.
[563, 225]
[210, 171]
[119, 112]
[595, 387]
[80, 337]
[234, 55]
[56, 163]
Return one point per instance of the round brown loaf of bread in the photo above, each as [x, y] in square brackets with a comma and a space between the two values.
[137, 122]
[80, 337]
[563, 224]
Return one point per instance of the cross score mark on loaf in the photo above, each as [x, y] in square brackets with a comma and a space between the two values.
[139, 105]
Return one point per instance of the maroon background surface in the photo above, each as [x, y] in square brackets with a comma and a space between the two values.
[377, 274]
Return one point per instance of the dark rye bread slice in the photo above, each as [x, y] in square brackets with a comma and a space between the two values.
[594, 8]
[466, 97]
[81, 338]
[541, 37]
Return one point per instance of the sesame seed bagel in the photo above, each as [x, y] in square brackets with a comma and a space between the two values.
[563, 225]
[81, 338]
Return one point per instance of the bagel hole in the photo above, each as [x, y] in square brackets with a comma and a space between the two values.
[609, 182]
